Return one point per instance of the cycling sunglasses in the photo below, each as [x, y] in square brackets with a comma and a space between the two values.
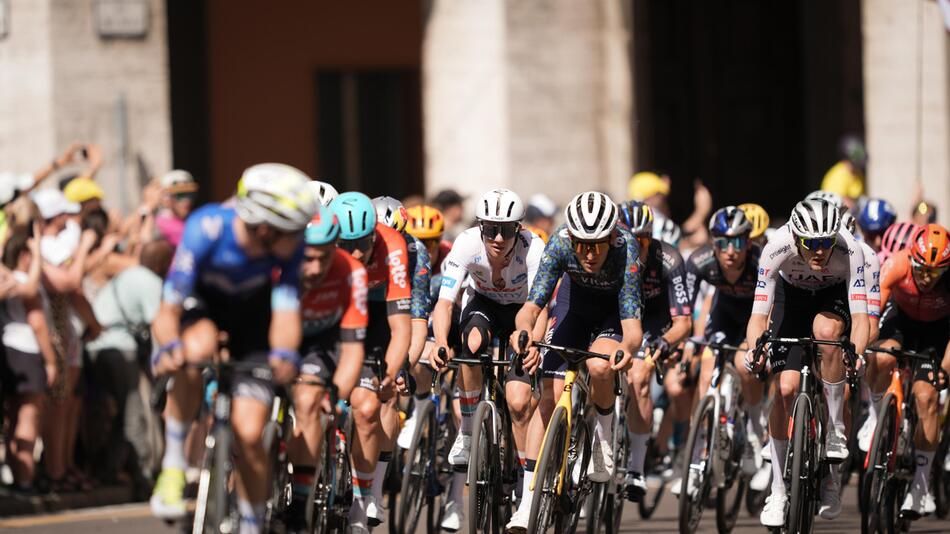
[362, 244]
[821, 243]
[491, 230]
[737, 242]
[589, 247]
[930, 272]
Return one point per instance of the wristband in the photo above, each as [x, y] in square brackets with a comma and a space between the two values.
[167, 348]
[291, 356]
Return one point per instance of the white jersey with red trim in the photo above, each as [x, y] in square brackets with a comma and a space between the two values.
[780, 257]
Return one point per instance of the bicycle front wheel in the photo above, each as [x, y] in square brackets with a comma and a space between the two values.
[803, 468]
[546, 502]
[941, 478]
[418, 471]
[213, 512]
[484, 487]
[696, 462]
[877, 468]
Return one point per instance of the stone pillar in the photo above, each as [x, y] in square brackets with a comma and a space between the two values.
[906, 66]
[534, 95]
[75, 81]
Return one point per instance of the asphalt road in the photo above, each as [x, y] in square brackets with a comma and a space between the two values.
[135, 518]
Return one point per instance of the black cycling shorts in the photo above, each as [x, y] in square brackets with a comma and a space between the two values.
[793, 315]
[729, 316]
[491, 319]
[917, 336]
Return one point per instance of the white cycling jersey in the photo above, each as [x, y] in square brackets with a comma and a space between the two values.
[780, 257]
[872, 279]
[468, 261]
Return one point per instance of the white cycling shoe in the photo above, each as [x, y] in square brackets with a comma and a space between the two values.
[865, 434]
[761, 479]
[773, 514]
[917, 503]
[461, 449]
[454, 517]
[831, 496]
[836, 446]
[374, 512]
[518, 524]
[404, 440]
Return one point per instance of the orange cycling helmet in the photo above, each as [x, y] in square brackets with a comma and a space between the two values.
[930, 247]
[425, 222]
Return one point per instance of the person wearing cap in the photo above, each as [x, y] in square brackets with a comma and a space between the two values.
[85, 192]
[654, 189]
[539, 215]
[179, 191]
[452, 206]
[846, 177]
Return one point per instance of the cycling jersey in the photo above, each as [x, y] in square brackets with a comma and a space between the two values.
[421, 268]
[897, 284]
[209, 260]
[387, 271]
[468, 260]
[780, 258]
[339, 301]
[619, 277]
[435, 282]
[872, 279]
[732, 302]
[664, 287]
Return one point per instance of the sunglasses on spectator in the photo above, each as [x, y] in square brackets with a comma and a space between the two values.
[184, 196]
[589, 247]
[491, 230]
[820, 243]
[362, 244]
[737, 242]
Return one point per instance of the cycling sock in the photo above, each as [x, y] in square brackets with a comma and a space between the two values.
[924, 459]
[379, 475]
[755, 419]
[417, 406]
[526, 483]
[175, 433]
[834, 395]
[251, 515]
[875, 399]
[604, 418]
[302, 480]
[779, 448]
[638, 451]
[362, 484]
[458, 488]
[468, 400]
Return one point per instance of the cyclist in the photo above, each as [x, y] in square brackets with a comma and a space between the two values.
[896, 237]
[384, 253]
[500, 259]
[666, 323]
[333, 306]
[664, 229]
[325, 192]
[814, 271]
[221, 280]
[597, 307]
[730, 265]
[875, 217]
[915, 291]
[872, 276]
[760, 222]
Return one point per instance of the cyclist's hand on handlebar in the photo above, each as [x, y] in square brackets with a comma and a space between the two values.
[169, 362]
[625, 362]
[284, 371]
[515, 339]
[439, 357]
[532, 360]
[753, 362]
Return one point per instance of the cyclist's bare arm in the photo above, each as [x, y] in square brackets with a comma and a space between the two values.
[417, 342]
[348, 370]
[398, 350]
[527, 319]
[631, 341]
[679, 330]
[860, 329]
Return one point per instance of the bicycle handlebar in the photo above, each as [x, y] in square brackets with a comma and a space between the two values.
[928, 355]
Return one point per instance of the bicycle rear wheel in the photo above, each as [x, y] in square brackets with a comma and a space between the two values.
[418, 471]
[575, 492]
[651, 499]
[941, 478]
[697, 469]
[877, 467]
[595, 505]
[484, 485]
[319, 498]
[545, 505]
[803, 468]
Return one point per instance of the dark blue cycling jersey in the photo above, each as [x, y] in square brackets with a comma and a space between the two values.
[620, 274]
[209, 259]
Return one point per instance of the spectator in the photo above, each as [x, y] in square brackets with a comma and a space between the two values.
[179, 191]
[539, 215]
[653, 189]
[85, 192]
[846, 177]
[452, 206]
[29, 365]
[125, 307]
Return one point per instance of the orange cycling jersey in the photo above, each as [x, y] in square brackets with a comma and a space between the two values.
[897, 279]
[340, 299]
[388, 271]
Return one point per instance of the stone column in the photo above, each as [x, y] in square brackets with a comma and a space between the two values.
[906, 66]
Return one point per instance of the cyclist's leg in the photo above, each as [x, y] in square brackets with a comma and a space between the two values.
[250, 408]
[366, 445]
[880, 366]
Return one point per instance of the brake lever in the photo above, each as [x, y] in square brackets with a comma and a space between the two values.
[618, 385]
[519, 354]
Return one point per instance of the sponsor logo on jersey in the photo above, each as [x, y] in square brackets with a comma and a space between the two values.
[764, 272]
[761, 298]
[520, 278]
[448, 282]
[397, 268]
[859, 296]
[211, 226]
[760, 284]
[778, 253]
[858, 283]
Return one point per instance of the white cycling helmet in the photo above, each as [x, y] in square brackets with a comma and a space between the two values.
[277, 195]
[325, 192]
[390, 212]
[815, 219]
[591, 216]
[666, 230]
[848, 222]
[500, 205]
[834, 198]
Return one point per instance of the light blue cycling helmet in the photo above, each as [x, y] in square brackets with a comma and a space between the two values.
[323, 227]
[355, 213]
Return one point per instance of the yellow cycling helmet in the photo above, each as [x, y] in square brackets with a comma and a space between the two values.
[83, 189]
[757, 216]
[425, 222]
[644, 185]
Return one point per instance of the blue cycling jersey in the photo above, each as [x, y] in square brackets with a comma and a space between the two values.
[209, 259]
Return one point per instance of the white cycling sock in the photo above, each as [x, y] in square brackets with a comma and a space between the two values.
[603, 428]
[417, 406]
[251, 515]
[755, 419]
[638, 451]
[458, 488]
[834, 395]
[874, 400]
[379, 475]
[526, 493]
[468, 401]
[921, 476]
[779, 448]
[175, 434]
